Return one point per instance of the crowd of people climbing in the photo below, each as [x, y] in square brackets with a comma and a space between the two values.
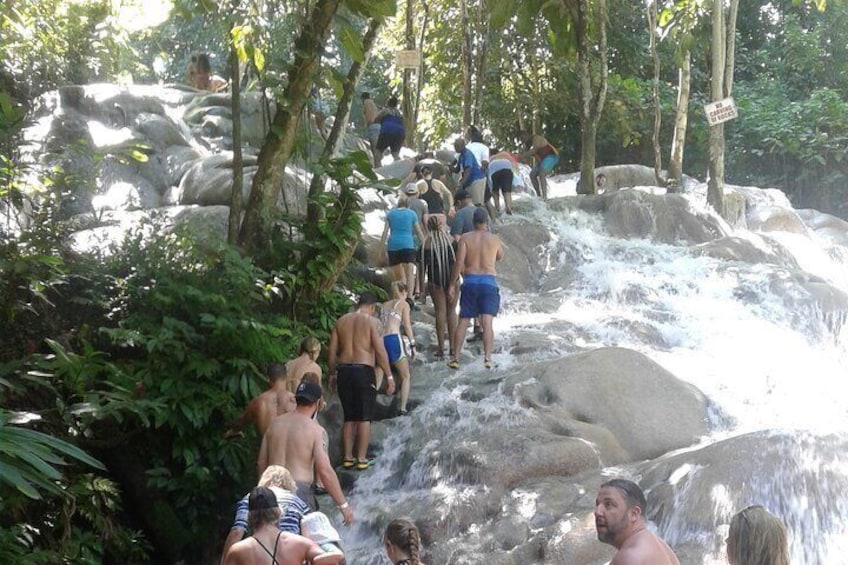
[438, 242]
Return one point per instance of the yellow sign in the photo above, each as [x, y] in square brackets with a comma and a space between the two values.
[408, 59]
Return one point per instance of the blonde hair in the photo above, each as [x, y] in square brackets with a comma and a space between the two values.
[757, 537]
[278, 476]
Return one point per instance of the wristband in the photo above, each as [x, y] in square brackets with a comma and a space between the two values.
[391, 378]
[344, 505]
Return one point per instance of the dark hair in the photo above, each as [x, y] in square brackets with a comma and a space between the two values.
[365, 95]
[366, 298]
[275, 371]
[474, 134]
[433, 223]
[403, 534]
[201, 62]
[392, 102]
[262, 508]
[633, 494]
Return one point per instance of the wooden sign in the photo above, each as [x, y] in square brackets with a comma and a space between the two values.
[408, 59]
[721, 111]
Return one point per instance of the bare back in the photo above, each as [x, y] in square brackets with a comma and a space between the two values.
[291, 549]
[478, 252]
[270, 404]
[369, 111]
[644, 548]
[354, 334]
[291, 441]
[299, 366]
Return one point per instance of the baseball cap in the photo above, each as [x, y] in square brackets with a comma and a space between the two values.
[481, 216]
[410, 189]
[261, 498]
[462, 194]
[308, 392]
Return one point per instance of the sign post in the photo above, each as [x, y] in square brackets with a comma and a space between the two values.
[721, 111]
[408, 59]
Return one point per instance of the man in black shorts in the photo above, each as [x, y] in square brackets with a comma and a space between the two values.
[357, 339]
[392, 130]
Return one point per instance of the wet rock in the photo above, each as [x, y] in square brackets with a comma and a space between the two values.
[776, 218]
[521, 268]
[748, 248]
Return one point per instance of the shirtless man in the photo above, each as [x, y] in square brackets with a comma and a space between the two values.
[296, 442]
[270, 544]
[369, 114]
[310, 349]
[620, 522]
[275, 401]
[356, 340]
[475, 260]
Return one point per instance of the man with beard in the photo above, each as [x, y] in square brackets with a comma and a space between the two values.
[620, 522]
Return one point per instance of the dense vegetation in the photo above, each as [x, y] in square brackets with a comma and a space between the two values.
[120, 372]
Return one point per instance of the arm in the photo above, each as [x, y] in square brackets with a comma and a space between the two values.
[407, 327]
[239, 528]
[457, 268]
[419, 231]
[233, 537]
[500, 252]
[381, 355]
[332, 350]
[328, 477]
[247, 417]
[234, 556]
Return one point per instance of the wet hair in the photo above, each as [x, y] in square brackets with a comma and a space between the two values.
[309, 343]
[438, 252]
[398, 287]
[633, 494]
[275, 371]
[392, 102]
[201, 62]
[265, 514]
[757, 537]
[433, 223]
[366, 299]
[277, 476]
[403, 534]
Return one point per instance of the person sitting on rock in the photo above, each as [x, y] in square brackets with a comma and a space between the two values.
[620, 522]
[199, 74]
[757, 537]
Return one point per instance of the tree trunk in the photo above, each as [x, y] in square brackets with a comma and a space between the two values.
[480, 66]
[316, 186]
[715, 188]
[653, 16]
[675, 165]
[466, 65]
[406, 104]
[730, 53]
[593, 84]
[238, 163]
[267, 182]
[425, 8]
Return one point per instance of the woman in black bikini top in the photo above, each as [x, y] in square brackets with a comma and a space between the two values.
[403, 542]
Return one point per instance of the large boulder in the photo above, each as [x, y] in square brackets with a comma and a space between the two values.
[521, 267]
[749, 248]
[630, 407]
[830, 228]
[665, 218]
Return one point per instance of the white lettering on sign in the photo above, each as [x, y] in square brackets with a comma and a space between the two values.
[721, 111]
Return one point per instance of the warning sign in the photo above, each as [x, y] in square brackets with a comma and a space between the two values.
[721, 111]
[408, 59]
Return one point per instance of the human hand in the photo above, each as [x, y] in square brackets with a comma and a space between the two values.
[347, 515]
[390, 386]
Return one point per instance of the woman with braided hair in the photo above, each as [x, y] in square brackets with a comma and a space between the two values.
[403, 542]
[438, 257]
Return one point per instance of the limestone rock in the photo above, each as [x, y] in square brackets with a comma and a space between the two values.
[520, 268]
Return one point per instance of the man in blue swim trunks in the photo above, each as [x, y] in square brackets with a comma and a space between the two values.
[476, 255]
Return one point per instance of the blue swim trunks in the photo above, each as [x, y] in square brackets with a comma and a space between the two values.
[393, 347]
[548, 164]
[480, 295]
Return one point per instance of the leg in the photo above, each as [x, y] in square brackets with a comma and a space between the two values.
[543, 183]
[363, 436]
[398, 272]
[409, 275]
[402, 367]
[488, 336]
[508, 202]
[496, 195]
[440, 306]
[534, 178]
[348, 432]
[453, 322]
[459, 336]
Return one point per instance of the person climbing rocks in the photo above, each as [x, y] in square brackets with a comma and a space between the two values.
[199, 74]
[392, 131]
[546, 156]
[395, 318]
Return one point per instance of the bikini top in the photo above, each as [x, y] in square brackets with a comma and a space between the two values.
[392, 313]
[271, 553]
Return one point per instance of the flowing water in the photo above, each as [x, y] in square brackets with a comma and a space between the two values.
[752, 341]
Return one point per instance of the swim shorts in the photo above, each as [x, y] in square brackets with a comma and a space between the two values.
[393, 347]
[480, 295]
[306, 494]
[548, 164]
[502, 181]
[477, 190]
[393, 141]
[357, 392]
[403, 256]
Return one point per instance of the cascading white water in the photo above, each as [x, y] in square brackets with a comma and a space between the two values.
[745, 334]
